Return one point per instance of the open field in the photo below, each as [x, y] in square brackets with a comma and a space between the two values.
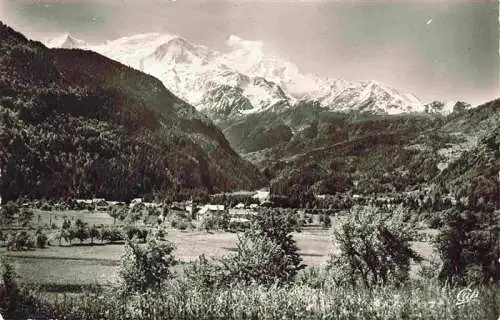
[98, 264]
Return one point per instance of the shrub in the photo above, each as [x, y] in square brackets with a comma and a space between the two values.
[93, 233]
[313, 277]
[204, 273]
[277, 226]
[26, 216]
[134, 232]
[182, 225]
[266, 254]
[208, 224]
[41, 239]
[239, 225]
[8, 212]
[112, 235]
[80, 231]
[375, 248]
[256, 260]
[325, 220]
[174, 223]
[21, 241]
[222, 220]
[468, 247]
[147, 266]
[259, 259]
[216, 221]
[178, 222]
[9, 291]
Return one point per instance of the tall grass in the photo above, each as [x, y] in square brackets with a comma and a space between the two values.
[179, 300]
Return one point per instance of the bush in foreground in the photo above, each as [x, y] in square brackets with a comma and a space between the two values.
[9, 291]
[255, 283]
[257, 260]
[469, 248]
[145, 267]
[266, 254]
[374, 248]
[277, 227]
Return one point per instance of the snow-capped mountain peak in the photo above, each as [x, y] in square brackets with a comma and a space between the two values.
[250, 57]
[66, 41]
[246, 76]
[179, 50]
[236, 42]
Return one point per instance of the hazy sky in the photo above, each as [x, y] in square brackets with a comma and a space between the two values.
[436, 49]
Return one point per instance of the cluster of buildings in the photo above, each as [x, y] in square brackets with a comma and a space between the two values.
[240, 213]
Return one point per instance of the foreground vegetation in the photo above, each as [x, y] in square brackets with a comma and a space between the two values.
[178, 300]
[265, 278]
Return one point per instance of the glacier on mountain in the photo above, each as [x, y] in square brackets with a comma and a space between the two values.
[244, 79]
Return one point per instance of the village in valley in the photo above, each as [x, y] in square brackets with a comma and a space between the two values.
[238, 214]
[43, 236]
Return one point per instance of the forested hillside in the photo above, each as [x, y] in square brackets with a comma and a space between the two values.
[77, 124]
[475, 174]
[369, 154]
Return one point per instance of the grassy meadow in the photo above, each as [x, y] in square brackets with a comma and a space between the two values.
[89, 264]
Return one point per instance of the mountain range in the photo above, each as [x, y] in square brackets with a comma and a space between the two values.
[259, 100]
[77, 124]
[243, 80]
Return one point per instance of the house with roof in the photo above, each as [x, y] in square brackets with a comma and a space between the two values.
[240, 206]
[209, 209]
[241, 216]
[262, 195]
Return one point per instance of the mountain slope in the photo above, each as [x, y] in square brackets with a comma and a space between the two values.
[77, 124]
[381, 154]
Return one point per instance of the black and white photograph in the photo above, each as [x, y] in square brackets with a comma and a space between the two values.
[250, 159]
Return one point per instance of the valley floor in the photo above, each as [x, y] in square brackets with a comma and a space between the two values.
[98, 264]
